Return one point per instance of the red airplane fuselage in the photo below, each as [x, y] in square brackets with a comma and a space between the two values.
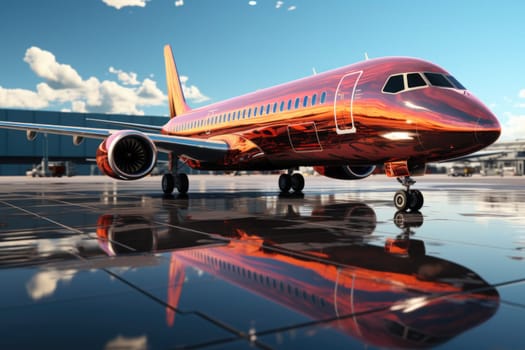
[348, 116]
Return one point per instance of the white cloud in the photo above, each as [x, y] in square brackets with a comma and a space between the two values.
[64, 89]
[44, 64]
[521, 94]
[118, 4]
[20, 98]
[252, 3]
[63, 85]
[179, 3]
[292, 8]
[279, 4]
[125, 78]
[192, 92]
[513, 128]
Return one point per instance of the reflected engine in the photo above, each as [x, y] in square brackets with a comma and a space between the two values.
[127, 155]
[346, 172]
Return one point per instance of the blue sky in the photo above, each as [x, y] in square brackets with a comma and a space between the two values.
[106, 55]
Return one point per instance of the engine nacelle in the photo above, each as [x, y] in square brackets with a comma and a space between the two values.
[346, 172]
[127, 155]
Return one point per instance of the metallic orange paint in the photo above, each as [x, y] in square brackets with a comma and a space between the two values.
[357, 124]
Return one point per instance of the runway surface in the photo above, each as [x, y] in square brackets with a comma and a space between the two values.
[91, 263]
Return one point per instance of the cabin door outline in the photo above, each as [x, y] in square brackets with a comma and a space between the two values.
[343, 103]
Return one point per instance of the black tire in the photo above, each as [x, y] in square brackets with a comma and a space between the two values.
[297, 181]
[415, 200]
[285, 183]
[168, 183]
[401, 200]
[183, 184]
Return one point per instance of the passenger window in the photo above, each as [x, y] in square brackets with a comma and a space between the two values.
[229, 116]
[289, 104]
[255, 112]
[281, 108]
[456, 82]
[437, 79]
[415, 80]
[323, 97]
[275, 107]
[243, 114]
[261, 110]
[249, 113]
[394, 84]
[305, 101]
[268, 108]
[297, 101]
[314, 99]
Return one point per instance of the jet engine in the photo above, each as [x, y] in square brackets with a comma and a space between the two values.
[345, 172]
[127, 155]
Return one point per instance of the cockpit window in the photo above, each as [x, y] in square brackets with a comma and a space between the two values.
[456, 82]
[437, 79]
[415, 80]
[405, 81]
[394, 84]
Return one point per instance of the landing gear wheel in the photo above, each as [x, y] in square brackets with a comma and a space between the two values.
[401, 200]
[297, 182]
[415, 200]
[285, 183]
[168, 183]
[183, 183]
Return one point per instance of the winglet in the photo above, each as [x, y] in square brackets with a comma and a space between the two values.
[176, 98]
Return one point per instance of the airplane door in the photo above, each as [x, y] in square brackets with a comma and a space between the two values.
[344, 96]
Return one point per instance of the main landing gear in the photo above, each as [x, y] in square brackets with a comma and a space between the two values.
[408, 199]
[291, 181]
[178, 181]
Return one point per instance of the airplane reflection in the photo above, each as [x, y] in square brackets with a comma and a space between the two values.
[321, 264]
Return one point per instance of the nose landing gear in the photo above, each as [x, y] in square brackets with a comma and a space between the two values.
[408, 199]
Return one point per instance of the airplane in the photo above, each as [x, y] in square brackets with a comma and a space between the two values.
[393, 298]
[398, 112]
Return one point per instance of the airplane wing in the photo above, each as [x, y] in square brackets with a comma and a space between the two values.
[199, 149]
[151, 128]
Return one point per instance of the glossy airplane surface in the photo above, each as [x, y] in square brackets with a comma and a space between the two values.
[400, 113]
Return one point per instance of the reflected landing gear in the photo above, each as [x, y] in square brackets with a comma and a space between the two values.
[403, 245]
[408, 199]
[291, 181]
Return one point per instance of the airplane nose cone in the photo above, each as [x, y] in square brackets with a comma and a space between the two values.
[488, 128]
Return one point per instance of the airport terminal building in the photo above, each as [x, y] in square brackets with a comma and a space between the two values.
[18, 155]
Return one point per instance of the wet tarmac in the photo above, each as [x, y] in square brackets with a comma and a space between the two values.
[93, 263]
